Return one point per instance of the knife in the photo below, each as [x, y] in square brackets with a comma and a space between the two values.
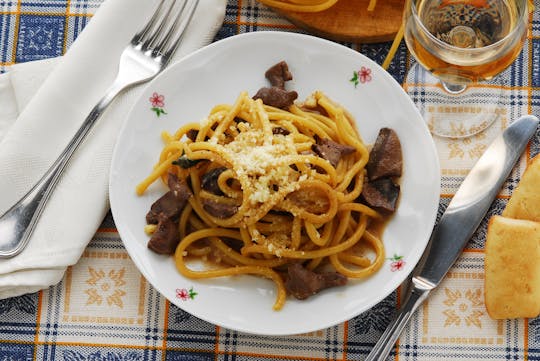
[458, 223]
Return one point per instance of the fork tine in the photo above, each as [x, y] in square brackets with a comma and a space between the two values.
[166, 24]
[172, 38]
[155, 35]
[141, 36]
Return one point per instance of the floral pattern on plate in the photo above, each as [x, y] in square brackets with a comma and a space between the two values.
[158, 102]
[361, 76]
[184, 294]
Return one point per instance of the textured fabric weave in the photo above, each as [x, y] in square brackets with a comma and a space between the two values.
[105, 310]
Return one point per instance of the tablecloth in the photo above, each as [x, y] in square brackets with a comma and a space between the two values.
[103, 309]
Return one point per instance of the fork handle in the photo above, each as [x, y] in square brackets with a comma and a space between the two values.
[385, 344]
[18, 223]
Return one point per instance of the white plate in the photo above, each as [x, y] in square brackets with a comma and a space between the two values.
[216, 74]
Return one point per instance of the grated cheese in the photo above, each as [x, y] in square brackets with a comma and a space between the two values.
[260, 161]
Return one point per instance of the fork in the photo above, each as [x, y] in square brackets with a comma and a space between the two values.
[147, 54]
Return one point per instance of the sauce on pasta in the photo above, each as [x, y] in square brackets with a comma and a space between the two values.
[270, 192]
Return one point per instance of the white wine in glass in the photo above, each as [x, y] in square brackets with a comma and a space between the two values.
[463, 42]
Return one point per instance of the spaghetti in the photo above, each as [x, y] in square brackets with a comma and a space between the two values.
[265, 195]
[300, 5]
[308, 5]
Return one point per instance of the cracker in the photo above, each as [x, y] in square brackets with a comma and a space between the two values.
[512, 268]
[525, 200]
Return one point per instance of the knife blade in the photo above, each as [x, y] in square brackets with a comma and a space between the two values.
[458, 223]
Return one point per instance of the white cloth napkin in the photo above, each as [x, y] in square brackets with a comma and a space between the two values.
[42, 105]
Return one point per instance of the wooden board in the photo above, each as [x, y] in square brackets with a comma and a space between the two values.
[349, 20]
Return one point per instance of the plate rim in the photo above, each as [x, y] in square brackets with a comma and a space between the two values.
[223, 43]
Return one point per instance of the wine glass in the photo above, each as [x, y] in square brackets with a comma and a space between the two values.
[459, 43]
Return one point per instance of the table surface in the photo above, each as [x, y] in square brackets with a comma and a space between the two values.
[105, 310]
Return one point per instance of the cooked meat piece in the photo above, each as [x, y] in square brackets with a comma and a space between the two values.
[209, 181]
[219, 210]
[171, 203]
[332, 151]
[179, 187]
[381, 194]
[192, 134]
[234, 243]
[166, 237]
[278, 74]
[385, 159]
[302, 283]
[279, 130]
[276, 97]
[313, 200]
[167, 205]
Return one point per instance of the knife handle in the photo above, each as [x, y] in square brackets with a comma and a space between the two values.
[415, 298]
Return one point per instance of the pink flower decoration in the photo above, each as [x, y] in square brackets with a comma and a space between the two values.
[157, 100]
[397, 265]
[364, 74]
[182, 293]
[185, 294]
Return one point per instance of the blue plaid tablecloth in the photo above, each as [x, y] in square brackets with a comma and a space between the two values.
[105, 310]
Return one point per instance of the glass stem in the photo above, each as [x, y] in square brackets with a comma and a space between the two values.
[453, 88]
